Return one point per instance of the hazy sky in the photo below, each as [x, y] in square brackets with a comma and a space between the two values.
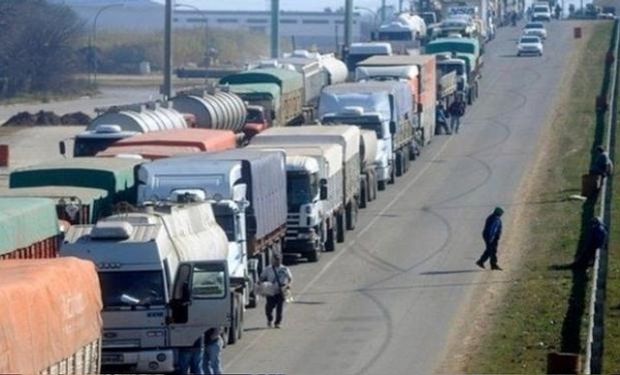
[284, 4]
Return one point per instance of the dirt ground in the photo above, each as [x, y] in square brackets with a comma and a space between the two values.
[476, 317]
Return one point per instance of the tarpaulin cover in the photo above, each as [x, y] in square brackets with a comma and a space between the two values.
[115, 175]
[203, 139]
[288, 80]
[24, 221]
[49, 309]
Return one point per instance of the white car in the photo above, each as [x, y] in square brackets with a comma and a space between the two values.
[532, 32]
[536, 28]
[529, 45]
[541, 13]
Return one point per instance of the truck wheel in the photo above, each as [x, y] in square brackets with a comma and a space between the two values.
[381, 185]
[470, 99]
[352, 215]
[340, 227]
[234, 322]
[392, 174]
[330, 242]
[399, 164]
[313, 256]
[363, 190]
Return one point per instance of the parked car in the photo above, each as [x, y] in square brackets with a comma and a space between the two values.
[536, 28]
[529, 45]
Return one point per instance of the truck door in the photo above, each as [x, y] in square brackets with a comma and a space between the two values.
[200, 300]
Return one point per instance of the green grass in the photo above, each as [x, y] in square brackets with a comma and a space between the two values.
[545, 309]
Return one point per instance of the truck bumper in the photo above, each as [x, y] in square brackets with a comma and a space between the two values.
[145, 361]
[303, 243]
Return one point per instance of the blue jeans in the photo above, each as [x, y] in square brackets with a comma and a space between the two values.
[212, 362]
[455, 122]
[191, 359]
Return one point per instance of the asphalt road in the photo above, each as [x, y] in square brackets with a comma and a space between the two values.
[385, 303]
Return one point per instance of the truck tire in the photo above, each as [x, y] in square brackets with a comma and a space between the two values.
[399, 165]
[470, 99]
[351, 215]
[234, 322]
[363, 190]
[340, 227]
[392, 179]
[330, 241]
[313, 255]
[381, 185]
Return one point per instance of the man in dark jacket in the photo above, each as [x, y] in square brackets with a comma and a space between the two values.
[456, 111]
[603, 165]
[596, 239]
[491, 235]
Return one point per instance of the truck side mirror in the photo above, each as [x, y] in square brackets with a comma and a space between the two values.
[62, 147]
[393, 127]
[323, 190]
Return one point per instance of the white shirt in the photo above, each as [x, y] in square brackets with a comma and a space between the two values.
[284, 275]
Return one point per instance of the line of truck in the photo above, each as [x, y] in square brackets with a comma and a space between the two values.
[181, 205]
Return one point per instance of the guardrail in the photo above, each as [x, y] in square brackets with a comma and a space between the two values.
[596, 333]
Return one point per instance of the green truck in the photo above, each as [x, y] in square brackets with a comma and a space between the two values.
[75, 205]
[467, 50]
[117, 176]
[279, 91]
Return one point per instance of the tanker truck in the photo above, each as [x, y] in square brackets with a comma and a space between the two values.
[220, 110]
[167, 275]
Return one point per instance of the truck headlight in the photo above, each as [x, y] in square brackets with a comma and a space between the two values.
[161, 357]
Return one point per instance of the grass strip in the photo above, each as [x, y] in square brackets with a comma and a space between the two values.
[545, 308]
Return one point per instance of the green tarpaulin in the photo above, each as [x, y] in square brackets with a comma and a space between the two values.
[288, 80]
[24, 221]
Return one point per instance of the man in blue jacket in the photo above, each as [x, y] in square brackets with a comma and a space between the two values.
[491, 235]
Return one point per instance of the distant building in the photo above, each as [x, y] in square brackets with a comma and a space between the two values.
[324, 30]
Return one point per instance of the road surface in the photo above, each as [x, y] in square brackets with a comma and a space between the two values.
[385, 303]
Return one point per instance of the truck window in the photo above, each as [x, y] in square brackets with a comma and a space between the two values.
[91, 146]
[145, 287]
[208, 283]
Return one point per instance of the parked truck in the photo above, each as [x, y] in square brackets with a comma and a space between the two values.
[429, 86]
[259, 229]
[157, 145]
[404, 33]
[166, 275]
[50, 314]
[29, 228]
[361, 51]
[314, 184]
[386, 109]
[279, 91]
[74, 205]
[348, 137]
[466, 49]
[114, 175]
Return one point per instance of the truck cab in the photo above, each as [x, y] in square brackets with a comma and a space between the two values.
[361, 51]
[446, 64]
[165, 280]
[90, 142]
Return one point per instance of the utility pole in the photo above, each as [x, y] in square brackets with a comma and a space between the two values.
[275, 29]
[383, 16]
[167, 89]
[348, 26]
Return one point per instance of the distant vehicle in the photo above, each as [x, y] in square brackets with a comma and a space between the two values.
[606, 16]
[529, 44]
[541, 12]
[532, 32]
[536, 28]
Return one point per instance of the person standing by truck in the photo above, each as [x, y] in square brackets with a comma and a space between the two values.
[491, 235]
[281, 276]
[456, 111]
[213, 349]
[191, 358]
[441, 119]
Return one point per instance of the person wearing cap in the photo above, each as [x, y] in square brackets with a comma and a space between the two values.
[596, 239]
[279, 275]
[491, 234]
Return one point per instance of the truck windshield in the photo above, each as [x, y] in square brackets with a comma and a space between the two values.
[301, 188]
[449, 68]
[226, 219]
[254, 116]
[132, 288]
[395, 35]
[91, 146]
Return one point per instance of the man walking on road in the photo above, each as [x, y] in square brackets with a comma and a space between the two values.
[602, 164]
[281, 276]
[491, 235]
[596, 239]
[456, 111]
[441, 120]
